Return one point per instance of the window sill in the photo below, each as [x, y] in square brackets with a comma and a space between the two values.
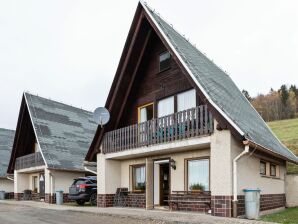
[270, 177]
[138, 192]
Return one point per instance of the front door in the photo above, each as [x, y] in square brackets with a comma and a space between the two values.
[41, 185]
[164, 184]
[161, 183]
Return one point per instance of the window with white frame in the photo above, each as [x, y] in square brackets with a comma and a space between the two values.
[198, 174]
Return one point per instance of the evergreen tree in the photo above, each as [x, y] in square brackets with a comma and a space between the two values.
[246, 94]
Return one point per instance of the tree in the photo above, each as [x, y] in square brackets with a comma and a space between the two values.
[294, 89]
[284, 94]
[246, 94]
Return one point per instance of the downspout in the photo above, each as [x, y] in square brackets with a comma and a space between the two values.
[91, 171]
[51, 187]
[235, 181]
[9, 178]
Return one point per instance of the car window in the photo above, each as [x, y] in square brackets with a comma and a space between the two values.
[77, 182]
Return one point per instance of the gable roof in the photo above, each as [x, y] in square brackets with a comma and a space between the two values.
[220, 90]
[64, 133]
[215, 86]
[6, 142]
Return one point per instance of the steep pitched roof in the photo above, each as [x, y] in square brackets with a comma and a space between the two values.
[6, 142]
[220, 90]
[216, 87]
[64, 133]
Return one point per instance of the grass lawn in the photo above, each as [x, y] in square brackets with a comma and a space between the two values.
[288, 216]
[287, 132]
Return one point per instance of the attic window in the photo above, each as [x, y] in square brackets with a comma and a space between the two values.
[164, 61]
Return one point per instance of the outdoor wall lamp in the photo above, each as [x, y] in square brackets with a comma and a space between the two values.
[173, 164]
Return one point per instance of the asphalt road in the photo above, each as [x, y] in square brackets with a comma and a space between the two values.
[19, 214]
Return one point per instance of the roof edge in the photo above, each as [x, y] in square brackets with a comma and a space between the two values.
[262, 148]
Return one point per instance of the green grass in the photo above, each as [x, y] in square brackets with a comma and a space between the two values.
[287, 132]
[288, 216]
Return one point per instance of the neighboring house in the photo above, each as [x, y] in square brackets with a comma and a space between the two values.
[49, 147]
[6, 141]
[179, 129]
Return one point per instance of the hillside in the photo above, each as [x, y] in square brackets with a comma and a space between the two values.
[287, 132]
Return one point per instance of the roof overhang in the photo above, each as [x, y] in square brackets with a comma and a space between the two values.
[269, 151]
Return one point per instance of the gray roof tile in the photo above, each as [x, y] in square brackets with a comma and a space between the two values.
[6, 143]
[64, 132]
[223, 91]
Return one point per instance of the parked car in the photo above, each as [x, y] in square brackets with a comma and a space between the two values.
[84, 189]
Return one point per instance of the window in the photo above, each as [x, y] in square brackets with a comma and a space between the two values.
[139, 178]
[198, 174]
[145, 112]
[272, 170]
[35, 184]
[263, 168]
[166, 106]
[164, 61]
[186, 100]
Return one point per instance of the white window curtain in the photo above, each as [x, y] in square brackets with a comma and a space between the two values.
[143, 114]
[140, 175]
[166, 106]
[198, 173]
[186, 100]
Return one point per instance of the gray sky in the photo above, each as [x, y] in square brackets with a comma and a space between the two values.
[68, 50]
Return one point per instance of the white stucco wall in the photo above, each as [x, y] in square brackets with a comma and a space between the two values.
[177, 176]
[21, 182]
[249, 177]
[6, 185]
[108, 175]
[62, 180]
[292, 190]
[221, 162]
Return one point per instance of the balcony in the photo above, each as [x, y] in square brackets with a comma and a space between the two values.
[194, 122]
[30, 160]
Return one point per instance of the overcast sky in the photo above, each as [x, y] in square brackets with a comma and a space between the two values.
[68, 50]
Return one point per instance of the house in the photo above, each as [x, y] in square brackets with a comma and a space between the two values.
[49, 147]
[6, 141]
[181, 134]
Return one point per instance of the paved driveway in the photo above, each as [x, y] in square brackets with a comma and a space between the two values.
[12, 212]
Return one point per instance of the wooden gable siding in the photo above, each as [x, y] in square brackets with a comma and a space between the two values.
[150, 85]
[24, 138]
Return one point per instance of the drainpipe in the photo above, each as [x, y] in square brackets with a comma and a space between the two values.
[9, 178]
[235, 182]
[91, 171]
[51, 187]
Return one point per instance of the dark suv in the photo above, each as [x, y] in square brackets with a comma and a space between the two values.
[84, 189]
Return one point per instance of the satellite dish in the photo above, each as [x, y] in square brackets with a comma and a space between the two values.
[101, 116]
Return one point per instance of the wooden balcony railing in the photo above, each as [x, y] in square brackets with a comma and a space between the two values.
[182, 125]
[27, 161]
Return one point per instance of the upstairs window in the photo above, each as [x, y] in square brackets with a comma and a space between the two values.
[165, 106]
[186, 100]
[146, 112]
[164, 61]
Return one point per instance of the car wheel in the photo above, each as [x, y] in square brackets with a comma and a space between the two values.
[93, 199]
[80, 202]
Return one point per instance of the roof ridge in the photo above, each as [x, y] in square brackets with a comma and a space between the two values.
[56, 101]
